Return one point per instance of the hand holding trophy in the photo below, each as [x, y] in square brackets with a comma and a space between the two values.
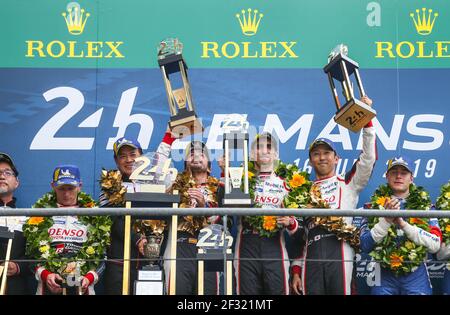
[183, 119]
[354, 114]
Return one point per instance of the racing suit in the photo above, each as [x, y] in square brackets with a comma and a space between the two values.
[269, 276]
[416, 282]
[187, 265]
[67, 236]
[330, 270]
[187, 237]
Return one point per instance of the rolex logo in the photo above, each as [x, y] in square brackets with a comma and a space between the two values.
[75, 18]
[424, 22]
[249, 22]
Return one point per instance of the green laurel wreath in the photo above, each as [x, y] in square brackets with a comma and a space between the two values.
[299, 196]
[93, 250]
[403, 257]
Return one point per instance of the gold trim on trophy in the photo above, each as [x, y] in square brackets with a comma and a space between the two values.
[354, 114]
[183, 120]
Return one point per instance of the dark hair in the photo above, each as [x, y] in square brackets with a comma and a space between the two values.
[195, 144]
[268, 137]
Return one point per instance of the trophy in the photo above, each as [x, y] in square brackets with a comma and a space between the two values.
[214, 245]
[152, 174]
[235, 137]
[151, 275]
[183, 119]
[70, 272]
[354, 115]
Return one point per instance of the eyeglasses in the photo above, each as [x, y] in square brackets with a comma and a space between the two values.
[7, 173]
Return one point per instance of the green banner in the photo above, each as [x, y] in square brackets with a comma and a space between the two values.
[225, 34]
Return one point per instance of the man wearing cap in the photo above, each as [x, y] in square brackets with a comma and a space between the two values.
[340, 192]
[67, 238]
[17, 271]
[126, 150]
[399, 176]
[197, 188]
[262, 263]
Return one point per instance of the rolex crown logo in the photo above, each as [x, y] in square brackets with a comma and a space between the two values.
[424, 23]
[75, 19]
[249, 22]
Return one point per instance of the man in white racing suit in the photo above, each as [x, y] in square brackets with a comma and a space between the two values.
[326, 263]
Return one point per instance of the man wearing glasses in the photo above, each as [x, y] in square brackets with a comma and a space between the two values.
[17, 271]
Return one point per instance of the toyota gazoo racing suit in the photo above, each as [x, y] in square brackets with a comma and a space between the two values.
[326, 263]
[416, 282]
[67, 236]
[269, 276]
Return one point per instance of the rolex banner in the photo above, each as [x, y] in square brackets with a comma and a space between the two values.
[76, 76]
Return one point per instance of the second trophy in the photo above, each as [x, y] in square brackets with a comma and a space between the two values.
[183, 119]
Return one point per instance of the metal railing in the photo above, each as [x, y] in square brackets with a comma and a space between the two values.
[149, 211]
[224, 211]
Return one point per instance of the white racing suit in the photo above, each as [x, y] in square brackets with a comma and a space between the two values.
[271, 274]
[67, 236]
[326, 263]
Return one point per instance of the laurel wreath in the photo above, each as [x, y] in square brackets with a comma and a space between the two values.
[183, 182]
[443, 203]
[38, 241]
[302, 194]
[113, 192]
[401, 257]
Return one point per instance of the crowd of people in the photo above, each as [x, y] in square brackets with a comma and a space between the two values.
[318, 259]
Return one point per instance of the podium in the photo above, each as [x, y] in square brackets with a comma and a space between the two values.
[214, 254]
[150, 282]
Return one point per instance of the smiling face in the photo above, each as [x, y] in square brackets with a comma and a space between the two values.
[399, 178]
[264, 153]
[125, 159]
[324, 160]
[8, 180]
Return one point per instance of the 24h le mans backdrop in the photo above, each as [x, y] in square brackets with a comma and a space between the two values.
[71, 84]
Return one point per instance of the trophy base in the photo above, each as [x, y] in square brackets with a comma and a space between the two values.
[74, 290]
[354, 115]
[150, 273]
[149, 188]
[150, 281]
[185, 126]
[237, 198]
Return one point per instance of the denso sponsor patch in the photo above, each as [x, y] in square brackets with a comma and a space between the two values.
[67, 229]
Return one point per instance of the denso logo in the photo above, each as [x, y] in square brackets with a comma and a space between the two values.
[65, 232]
[267, 199]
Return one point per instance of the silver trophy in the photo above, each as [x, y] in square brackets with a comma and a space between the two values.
[235, 138]
[153, 231]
